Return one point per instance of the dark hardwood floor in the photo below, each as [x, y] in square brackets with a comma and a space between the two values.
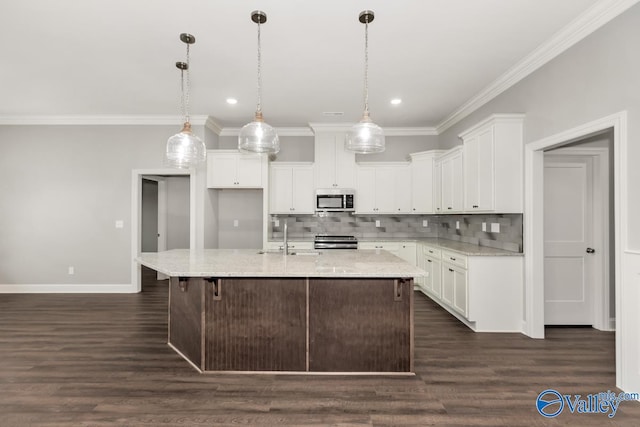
[102, 360]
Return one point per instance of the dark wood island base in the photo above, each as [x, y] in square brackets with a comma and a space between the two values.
[293, 325]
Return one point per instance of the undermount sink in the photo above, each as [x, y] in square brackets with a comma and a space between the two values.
[280, 252]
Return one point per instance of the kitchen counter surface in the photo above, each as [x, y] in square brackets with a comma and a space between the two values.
[255, 263]
[468, 249]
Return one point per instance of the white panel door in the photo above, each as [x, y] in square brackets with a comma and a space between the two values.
[302, 192]
[249, 173]
[366, 190]
[568, 228]
[281, 189]
[386, 189]
[403, 190]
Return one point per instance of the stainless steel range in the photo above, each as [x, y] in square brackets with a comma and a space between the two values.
[335, 242]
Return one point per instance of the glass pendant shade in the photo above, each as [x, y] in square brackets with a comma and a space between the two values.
[258, 137]
[366, 137]
[184, 149]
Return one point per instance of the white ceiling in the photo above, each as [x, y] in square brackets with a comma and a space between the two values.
[116, 57]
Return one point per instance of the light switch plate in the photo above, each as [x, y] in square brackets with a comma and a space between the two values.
[425, 223]
[377, 223]
[119, 223]
[495, 227]
[71, 270]
[276, 223]
[457, 225]
[236, 222]
[484, 226]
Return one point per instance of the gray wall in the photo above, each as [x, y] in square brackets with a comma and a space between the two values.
[398, 148]
[246, 207]
[178, 212]
[61, 190]
[597, 77]
[149, 216]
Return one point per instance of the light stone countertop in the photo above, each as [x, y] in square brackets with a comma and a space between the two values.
[252, 263]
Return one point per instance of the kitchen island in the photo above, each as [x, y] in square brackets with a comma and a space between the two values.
[347, 311]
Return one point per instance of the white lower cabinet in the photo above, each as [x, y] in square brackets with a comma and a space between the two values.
[484, 292]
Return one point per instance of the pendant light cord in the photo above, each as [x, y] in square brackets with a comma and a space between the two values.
[366, 66]
[185, 106]
[259, 106]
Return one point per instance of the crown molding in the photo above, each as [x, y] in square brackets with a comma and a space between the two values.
[142, 120]
[592, 19]
[212, 125]
[410, 131]
[494, 118]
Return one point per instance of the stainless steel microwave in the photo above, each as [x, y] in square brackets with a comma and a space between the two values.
[335, 200]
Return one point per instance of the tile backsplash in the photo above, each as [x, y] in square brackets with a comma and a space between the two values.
[464, 228]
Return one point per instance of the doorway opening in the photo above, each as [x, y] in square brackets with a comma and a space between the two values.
[183, 231]
[578, 232]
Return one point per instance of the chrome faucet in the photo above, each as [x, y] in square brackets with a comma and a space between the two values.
[285, 243]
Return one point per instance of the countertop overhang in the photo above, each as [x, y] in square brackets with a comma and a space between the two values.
[254, 263]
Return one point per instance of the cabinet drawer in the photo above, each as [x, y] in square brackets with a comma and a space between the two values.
[454, 258]
[387, 246]
[431, 251]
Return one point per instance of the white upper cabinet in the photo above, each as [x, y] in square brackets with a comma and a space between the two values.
[291, 188]
[232, 169]
[451, 181]
[335, 167]
[493, 165]
[425, 182]
[383, 188]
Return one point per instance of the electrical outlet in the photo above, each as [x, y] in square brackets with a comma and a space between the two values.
[484, 226]
[119, 223]
[495, 227]
[236, 222]
[71, 270]
[377, 223]
[425, 223]
[276, 223]
[457, 225]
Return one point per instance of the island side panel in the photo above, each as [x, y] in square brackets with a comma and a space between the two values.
[185, 317]
[255, 324]
[360, 325]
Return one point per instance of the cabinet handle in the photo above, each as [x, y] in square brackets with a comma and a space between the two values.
[451, 270]
[475, 206]
[452, 259]
[428, 260]
[414, 209]
[217, 288]
[398, 209]
[397, 290]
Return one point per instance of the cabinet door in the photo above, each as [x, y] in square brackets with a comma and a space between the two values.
[448, 284]
[486, 171]
[345, 173]
[421, 263]
[460, 293]
[325, 161]
[447, 186]
[402, 191]
[471, 174]
[457, 183]
[249, 171]
[422, 186]
[433, 266]
[385, 184]
[366, 190]
[281, 189]
[302, 191]
[437, 187]
[221, 170]
[407, 252]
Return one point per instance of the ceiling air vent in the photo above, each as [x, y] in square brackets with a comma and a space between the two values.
[333, 113]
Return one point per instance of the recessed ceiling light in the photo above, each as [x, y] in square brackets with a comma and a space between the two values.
[396, 101]
[332, 113]
[232, 101]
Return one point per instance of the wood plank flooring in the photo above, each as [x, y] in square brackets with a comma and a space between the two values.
[102, 360]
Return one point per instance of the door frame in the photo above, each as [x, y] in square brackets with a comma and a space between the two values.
[136, 213]
[600, 216]
[162, 215]
[533, 322]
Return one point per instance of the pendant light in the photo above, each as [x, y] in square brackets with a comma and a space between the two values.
[258, 136]
[365, 136]
[184, 149]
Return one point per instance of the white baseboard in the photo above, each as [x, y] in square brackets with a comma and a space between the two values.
[125, 288]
